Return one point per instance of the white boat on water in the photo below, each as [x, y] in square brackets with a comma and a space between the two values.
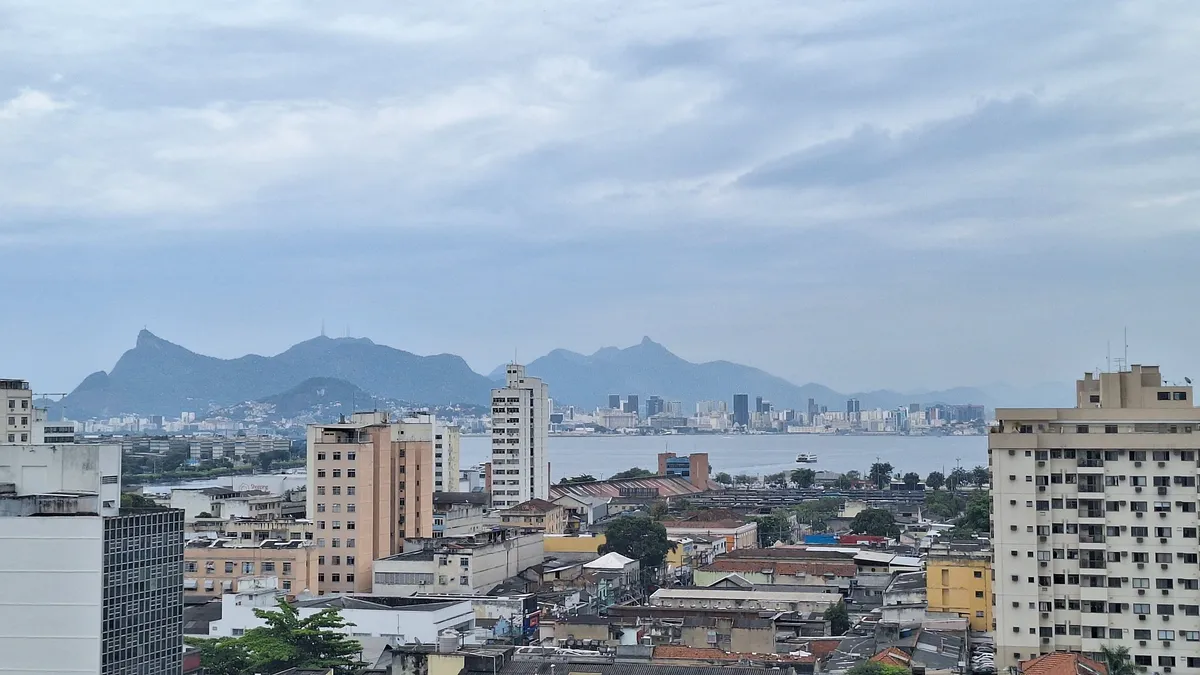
[806, 459]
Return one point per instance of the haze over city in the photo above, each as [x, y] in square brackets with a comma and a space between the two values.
[864, 195]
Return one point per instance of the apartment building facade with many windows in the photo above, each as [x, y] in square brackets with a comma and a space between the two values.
[520, 428]
[370, 487]
[1094, 519]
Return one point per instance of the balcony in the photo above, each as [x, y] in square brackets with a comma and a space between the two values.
[1091, 565]
[1090, 464]
[1091, 539]
[1091, 513]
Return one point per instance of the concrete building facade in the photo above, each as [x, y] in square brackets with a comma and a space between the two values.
[520, 429]
[465, 565]
[370, 487]
[212, 567]
[959, 581]
[16, 411]
[1095, 523]
[85, 586]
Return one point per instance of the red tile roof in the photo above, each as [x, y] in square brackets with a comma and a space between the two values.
[893, 657]
[1062, 663]
[808, 567]
[821, 647]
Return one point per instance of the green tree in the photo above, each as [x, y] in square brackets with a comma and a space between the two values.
[935, 480]
[839, 618]
[640, 538]
[814, 513]
[843, 482]
[723, 478]
[957, 478]
[659, 510]
[136, 500]
[745, 479]
[221, 656]
[980, 476]
[1118, 661]
[582, 478]
[804, 478]
[773, 528]
[881, 474]
[873, 668]
[976, 516]
[854, 475]
[204, 514]
[912, 480]
[291, 641]
[776, 479]
[875, 522]
[944, 505]
[635, 472]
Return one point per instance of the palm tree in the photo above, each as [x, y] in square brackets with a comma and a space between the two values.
[1118, 661]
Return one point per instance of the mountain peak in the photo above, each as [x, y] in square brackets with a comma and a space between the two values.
[147, 339]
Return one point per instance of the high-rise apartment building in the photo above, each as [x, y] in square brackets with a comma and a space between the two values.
[741, 409]
[85, 585]
[447, 442]
[633, 404]
[614, 401]
[520, 419]
[370, 487]
[1094, 518]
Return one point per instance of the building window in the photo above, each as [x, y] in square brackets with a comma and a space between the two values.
[350, 508]
[335, 578]
[350, 473]
[337, 473]
[320, 473]
[349, 578]
[247, 568]
[321, 490]
[350, 456]
[350, 559]
[321, 508]
[350, 490]
[337, 489]
[321, 577]
[228, 567]
[268, 566]
[320, 457]
[337, 456]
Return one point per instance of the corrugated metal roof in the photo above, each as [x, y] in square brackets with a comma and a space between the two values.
[667, 486]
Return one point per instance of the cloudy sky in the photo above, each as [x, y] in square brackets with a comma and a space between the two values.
[863, 193]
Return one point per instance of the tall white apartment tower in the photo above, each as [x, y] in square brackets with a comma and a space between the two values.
[520, 419]
[1094, 524]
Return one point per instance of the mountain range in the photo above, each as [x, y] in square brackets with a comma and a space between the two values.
[160, 377]
[650, 368]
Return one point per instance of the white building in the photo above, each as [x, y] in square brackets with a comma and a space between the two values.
[464, 565]
[64, 535]
[460, 514]
[1095, 524]
[16, 411]
[446, 441]
[520, 429]
[729, 598]
[401, 620]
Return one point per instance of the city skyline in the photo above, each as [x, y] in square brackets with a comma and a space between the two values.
[785, 182]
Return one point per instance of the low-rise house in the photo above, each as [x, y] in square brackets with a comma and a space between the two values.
[211, 567]
[458, 514]
[574, 543]
[583, 511]
[251, 530]
[737, 534]
[535, 514]
[457, 565]
[1062, 663]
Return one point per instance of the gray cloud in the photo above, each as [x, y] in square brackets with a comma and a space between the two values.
[809, 169]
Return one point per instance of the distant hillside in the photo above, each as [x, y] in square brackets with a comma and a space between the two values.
[318, 398]
[648, 368]
[159, 377]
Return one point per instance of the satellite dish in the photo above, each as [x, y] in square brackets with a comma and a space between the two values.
[1188, 380]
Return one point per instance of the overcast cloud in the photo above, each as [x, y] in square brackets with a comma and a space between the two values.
[862, 193]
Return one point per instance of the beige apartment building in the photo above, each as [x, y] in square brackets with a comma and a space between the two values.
[370, 487]
[212, 567]
[1095, 524]
[16, 411]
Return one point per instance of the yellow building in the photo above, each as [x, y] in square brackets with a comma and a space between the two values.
[958, 580]
[573, 543]
[212, 567]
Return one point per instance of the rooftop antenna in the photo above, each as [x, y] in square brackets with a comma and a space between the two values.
[322, 327]
[1108, 356]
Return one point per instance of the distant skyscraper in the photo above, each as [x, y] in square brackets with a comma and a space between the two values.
[852, 407]
[520, 464]
[654, 406]
[675, 408]
[633, 405]
[614, 401]
[758, 404]
[741, 409]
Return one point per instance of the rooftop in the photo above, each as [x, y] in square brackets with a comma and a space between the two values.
[666, 486]
[740, 594]
[448, 498]
[1062, 663]
[379, 602]
[778, 567]
[539, 506]
[682, 652]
